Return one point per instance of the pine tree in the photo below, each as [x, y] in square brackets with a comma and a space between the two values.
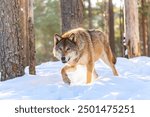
[132, 28]
[71, 14]
[11, 40]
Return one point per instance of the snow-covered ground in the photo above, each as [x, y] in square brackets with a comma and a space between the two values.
[132, 83]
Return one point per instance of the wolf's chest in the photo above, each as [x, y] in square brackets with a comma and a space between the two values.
[83, 59]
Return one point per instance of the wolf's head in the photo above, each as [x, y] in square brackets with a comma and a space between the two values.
[65, 49]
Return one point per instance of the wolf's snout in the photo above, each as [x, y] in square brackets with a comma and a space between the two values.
[63, 59]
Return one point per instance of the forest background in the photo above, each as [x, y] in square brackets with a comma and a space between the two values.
[47, 18]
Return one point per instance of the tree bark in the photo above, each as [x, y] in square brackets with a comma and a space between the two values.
[144, 30]
[132, 27]
[148, 2]
[24, 10]
[111, 26]
[31, 35]
[11, 39]
[71, 14]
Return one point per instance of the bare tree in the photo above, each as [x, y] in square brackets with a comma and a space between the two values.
[144, 28]
[71, 14]
[109, 23]
[28, 34]
[24, 13]
[31, 37]
[132, 27]
[148, 2]
[11, 39]
[111, 26]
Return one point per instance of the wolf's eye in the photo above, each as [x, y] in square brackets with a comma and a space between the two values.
[68, 49]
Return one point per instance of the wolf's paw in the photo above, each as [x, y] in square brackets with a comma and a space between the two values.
[67, 80]
[95, 76]
[88, 82]
[116, 74]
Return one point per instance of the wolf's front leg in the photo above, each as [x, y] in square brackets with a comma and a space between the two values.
[90, 67]
[95, 75]
[64, 71]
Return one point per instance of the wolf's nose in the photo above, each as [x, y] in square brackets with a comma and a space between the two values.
[63, 59]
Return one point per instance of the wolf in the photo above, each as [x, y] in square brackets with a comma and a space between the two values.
[83, 47]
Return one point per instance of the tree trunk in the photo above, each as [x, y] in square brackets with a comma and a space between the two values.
[132, 27]
[11, 39]
[144, 29]
[31, 34]
[111, 26]
[148, 2]
[121, 28]
[71, 14]
[24, 10]
[90, 14]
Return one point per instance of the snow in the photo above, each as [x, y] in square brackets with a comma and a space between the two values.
[132, 83]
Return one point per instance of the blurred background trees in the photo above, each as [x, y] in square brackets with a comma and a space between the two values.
[47, 23]
[107, 15]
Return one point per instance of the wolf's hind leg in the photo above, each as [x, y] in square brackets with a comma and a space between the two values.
[64, 71]
[114, 69]
[108, 60]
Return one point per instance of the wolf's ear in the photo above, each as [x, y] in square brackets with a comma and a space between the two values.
[57, 38]
[72, 37]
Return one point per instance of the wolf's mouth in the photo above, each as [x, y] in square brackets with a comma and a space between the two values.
[64, 61]
[68, 59]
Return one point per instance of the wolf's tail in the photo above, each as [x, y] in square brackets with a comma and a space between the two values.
[111, 53]
[114, 60]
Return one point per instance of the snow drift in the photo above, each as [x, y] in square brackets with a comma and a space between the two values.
[132, 83]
